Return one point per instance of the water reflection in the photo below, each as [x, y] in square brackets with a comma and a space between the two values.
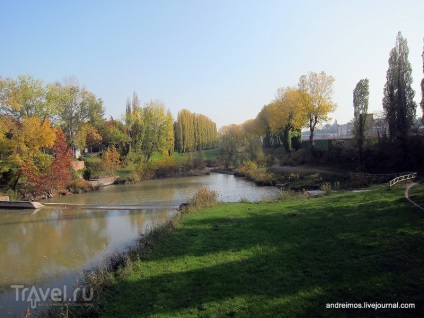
[52, 246]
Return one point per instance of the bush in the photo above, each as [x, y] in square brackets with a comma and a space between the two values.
[92, 170]
[80, 186]
[165, 167]
[326, 187]
[203, 198]
[134, 176]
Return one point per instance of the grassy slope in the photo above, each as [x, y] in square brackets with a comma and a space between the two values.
[284, 259]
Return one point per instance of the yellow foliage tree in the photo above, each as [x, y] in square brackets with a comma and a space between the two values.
[23, 141]
[316, 99]
[88, 136]
[110, 160]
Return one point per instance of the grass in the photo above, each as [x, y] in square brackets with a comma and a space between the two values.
[417, 194]
[281, 259]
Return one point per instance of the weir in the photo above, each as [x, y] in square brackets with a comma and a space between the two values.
[111, 207]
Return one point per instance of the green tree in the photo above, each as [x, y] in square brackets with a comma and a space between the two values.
[360, 105]
[169, 133]
[316, 99]
[113, 134]
[26, 96]
[194, 132]
[232, 138]
[398, 100]
[422, 90]
[156, 126]
[76, 106]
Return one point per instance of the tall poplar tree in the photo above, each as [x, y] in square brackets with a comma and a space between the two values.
[398, 100]
[422, 90]
[360, 105]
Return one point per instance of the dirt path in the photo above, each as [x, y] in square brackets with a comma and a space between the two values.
[409, 186]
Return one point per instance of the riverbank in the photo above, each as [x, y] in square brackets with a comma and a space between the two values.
[279, 259]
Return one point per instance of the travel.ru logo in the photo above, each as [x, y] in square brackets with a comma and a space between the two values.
[40, 296]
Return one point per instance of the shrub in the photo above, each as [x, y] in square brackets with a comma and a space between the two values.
[326, 187]
[80, 186]
[165, 167]
[92, 170]
[294, 176]
[133, 176]
[203, 198]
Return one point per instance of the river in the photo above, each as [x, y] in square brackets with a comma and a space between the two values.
[49, 248]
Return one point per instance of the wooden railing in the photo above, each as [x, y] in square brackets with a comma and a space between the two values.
[408, 176]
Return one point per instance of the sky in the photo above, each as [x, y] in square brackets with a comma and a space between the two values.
[224, 59]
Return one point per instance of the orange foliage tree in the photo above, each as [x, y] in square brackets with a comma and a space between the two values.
[110, 160]
[56, 176]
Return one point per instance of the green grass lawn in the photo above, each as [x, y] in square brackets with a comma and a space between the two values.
[417, 194]
[281, 259]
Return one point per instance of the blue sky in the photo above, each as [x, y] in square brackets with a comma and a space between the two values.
[223, 59]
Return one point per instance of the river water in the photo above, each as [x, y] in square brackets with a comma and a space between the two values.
[50, 248]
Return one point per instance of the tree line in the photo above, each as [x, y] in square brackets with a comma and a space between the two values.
[36, 117]
[194, 132]
[279, 123]
[309, 103]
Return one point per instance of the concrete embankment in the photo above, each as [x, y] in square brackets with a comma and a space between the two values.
[20, 205]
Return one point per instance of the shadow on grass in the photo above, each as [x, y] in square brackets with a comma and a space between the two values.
[282, 260]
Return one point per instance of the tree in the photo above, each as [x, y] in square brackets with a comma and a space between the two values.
[77, 105]
[156, 123]
[285, 115]
[398, 100]
[232, 138]
[135, 103]
[169, 133]
[110, 160]
[59, 174]
[316, 99]
[360, 105]
[113, 134]
[422, 90]
[26, 96]
[194, 132]
[128, 114]
[88, 136]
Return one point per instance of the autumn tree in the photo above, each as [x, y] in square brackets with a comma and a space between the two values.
[285, 115]
[88, 136]
[360, 105]
[316, 99]
[24, 141]
[398, 100]
[110, 160]
[57, 175]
